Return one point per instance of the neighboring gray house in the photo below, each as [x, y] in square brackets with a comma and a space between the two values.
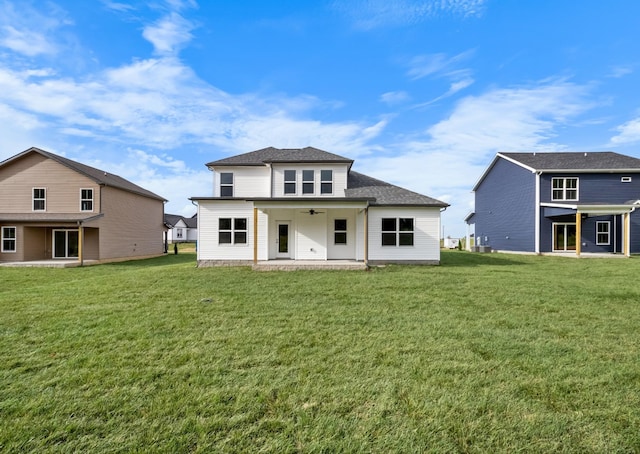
[181, 229]
[54, 208]
[307, 204]
[559, 202]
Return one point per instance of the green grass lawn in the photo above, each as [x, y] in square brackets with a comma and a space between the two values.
[486, 353]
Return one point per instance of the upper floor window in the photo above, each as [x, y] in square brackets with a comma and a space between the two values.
[308, 177]
[564, 188]
[397, 231]
[340, 231]
[39, 199]
[603, 235]
[232, 230]
[86, 199]
[289, 181]
[8, 239]
[226, 184]
[326, 181]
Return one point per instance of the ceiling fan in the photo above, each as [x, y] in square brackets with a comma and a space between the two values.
[312, 212]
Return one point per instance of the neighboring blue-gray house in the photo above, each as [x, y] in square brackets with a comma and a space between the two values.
[559, 202]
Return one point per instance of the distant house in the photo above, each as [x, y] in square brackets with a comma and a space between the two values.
[181, 229]
[559, 202]
[308, 205]
[54, 208]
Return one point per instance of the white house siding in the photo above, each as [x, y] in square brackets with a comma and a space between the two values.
[248, 181]
[208, 214]
[342, 251]
[339, 179]
[311, 236]
[426, 240]
[275, 216]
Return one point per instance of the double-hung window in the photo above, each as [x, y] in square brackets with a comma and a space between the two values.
[397, 231]
[39, 199]
[326, 181]
[564, 189]
[289, 181]
[232, 230]
[86, 199]
[8, 239]
[603, 233]
[226, 184]
[340, 231]
[308, 177]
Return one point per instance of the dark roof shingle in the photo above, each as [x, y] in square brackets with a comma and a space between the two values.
[363, 186]
[599, 160]
[271, 154]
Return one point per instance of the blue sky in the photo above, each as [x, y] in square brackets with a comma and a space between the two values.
[422, 94]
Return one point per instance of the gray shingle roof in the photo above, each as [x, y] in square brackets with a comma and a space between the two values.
[363, 186]
[271, 154]
[600, 160]
[172, 219]
[99, 176]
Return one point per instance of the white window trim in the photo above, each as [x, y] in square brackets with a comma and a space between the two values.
[608, 233]
[564, 189]
[233, 232]
[345, 231]
[33, 199]
[326, 181]
[397, 232]
[227, 185]
[294, 182]
[312, 182]
[92, 199]
[15, 239]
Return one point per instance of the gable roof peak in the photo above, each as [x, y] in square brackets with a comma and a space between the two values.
[101, 177]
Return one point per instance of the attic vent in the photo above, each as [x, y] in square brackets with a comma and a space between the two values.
[625, 179]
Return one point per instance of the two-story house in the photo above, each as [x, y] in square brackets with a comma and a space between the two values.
[307, 204]
[559, 202]
[53, 208]
[181, 229]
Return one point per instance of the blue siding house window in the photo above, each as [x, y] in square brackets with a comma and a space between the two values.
[564, 189]
[603, 233]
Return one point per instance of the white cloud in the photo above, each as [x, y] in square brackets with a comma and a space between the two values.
[628, 133]
[439, 65]
[370, 14]
[31, 31]
[394, 97]
[170, 34]
[448, 157]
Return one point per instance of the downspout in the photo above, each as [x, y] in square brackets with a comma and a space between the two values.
[537, 216]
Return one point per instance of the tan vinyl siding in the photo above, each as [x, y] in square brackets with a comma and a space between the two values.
[132, 225]
[36, 171]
